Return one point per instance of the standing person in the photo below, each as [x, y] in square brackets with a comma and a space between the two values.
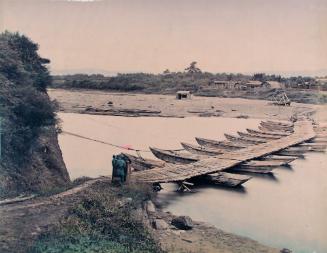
[114, 169]
[127, 167]
[121, 166]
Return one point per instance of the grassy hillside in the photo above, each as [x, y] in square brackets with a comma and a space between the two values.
[31, 159]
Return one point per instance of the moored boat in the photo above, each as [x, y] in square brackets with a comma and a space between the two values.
[265, 163]
[276, 126]
[217, 144]
[173, 156]
[317, 147]
[278, 123]
[290, 153]
[219, 178]
[267, 133]
[269, 128]
[287, 159]
[243, 139]
[260, 137]
[140, 163]
[259, 170]
[227, 179]
[273, 130]
[201, 150]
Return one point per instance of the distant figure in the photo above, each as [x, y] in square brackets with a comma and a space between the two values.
[120, 168]
[127, 169]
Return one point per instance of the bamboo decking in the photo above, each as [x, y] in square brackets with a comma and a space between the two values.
[303, 131]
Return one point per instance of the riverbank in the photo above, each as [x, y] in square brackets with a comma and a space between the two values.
[131, 104]
[98, 216]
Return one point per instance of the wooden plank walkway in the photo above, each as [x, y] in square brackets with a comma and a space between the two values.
[303, 131]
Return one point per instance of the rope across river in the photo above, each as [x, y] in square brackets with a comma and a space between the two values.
[108, 143]
[104, 142]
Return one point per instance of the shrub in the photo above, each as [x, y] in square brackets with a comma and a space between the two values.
[101, 222]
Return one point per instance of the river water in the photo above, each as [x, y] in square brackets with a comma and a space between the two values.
[288, 209]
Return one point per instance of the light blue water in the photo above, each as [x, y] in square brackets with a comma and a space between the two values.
[286, 210]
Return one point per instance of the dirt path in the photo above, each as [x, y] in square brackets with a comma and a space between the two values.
[22, 222]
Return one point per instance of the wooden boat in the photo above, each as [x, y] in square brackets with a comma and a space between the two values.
[260, 170]
[313, 144]
[291, 152]
[299, 149]
[317, 147]
[173, 156]
[279, 134]
[290, 124]
[217, 144]
[272, 130]
[268, 128]
[234, 144]
[275, 129]
[275, 126]
[139, 163]
[258, 163]
[226, 179]
[220, 178]
[243, 139]
[287, 159]
[262, 137]
[320, 140]
[178, 157]
[201, 150]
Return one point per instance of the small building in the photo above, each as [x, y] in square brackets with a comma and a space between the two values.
[321, 80]
[272, 84]
[240, 86]
[182, 94]
[220, 84]
[254, 84]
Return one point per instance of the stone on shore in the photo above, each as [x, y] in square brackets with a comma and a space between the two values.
[149, 207]
[159, 224]
[182, 222]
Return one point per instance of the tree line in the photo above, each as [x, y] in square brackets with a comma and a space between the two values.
[192, 78]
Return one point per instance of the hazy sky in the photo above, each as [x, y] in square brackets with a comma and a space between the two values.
[152, 35]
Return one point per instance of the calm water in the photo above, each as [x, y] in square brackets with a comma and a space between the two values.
[288, 209]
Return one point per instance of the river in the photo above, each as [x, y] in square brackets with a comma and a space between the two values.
[287, 209]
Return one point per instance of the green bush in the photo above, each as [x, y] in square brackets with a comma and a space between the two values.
[101, 222]
[25, 106]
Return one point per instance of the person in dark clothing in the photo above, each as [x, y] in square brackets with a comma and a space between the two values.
[120, 168]
[127, 169]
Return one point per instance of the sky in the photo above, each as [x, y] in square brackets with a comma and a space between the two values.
[244, 36]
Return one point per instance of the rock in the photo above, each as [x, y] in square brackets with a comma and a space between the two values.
[128, 200]
[149, 207]
[182, 222]
[159, 224]
[285, 251]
